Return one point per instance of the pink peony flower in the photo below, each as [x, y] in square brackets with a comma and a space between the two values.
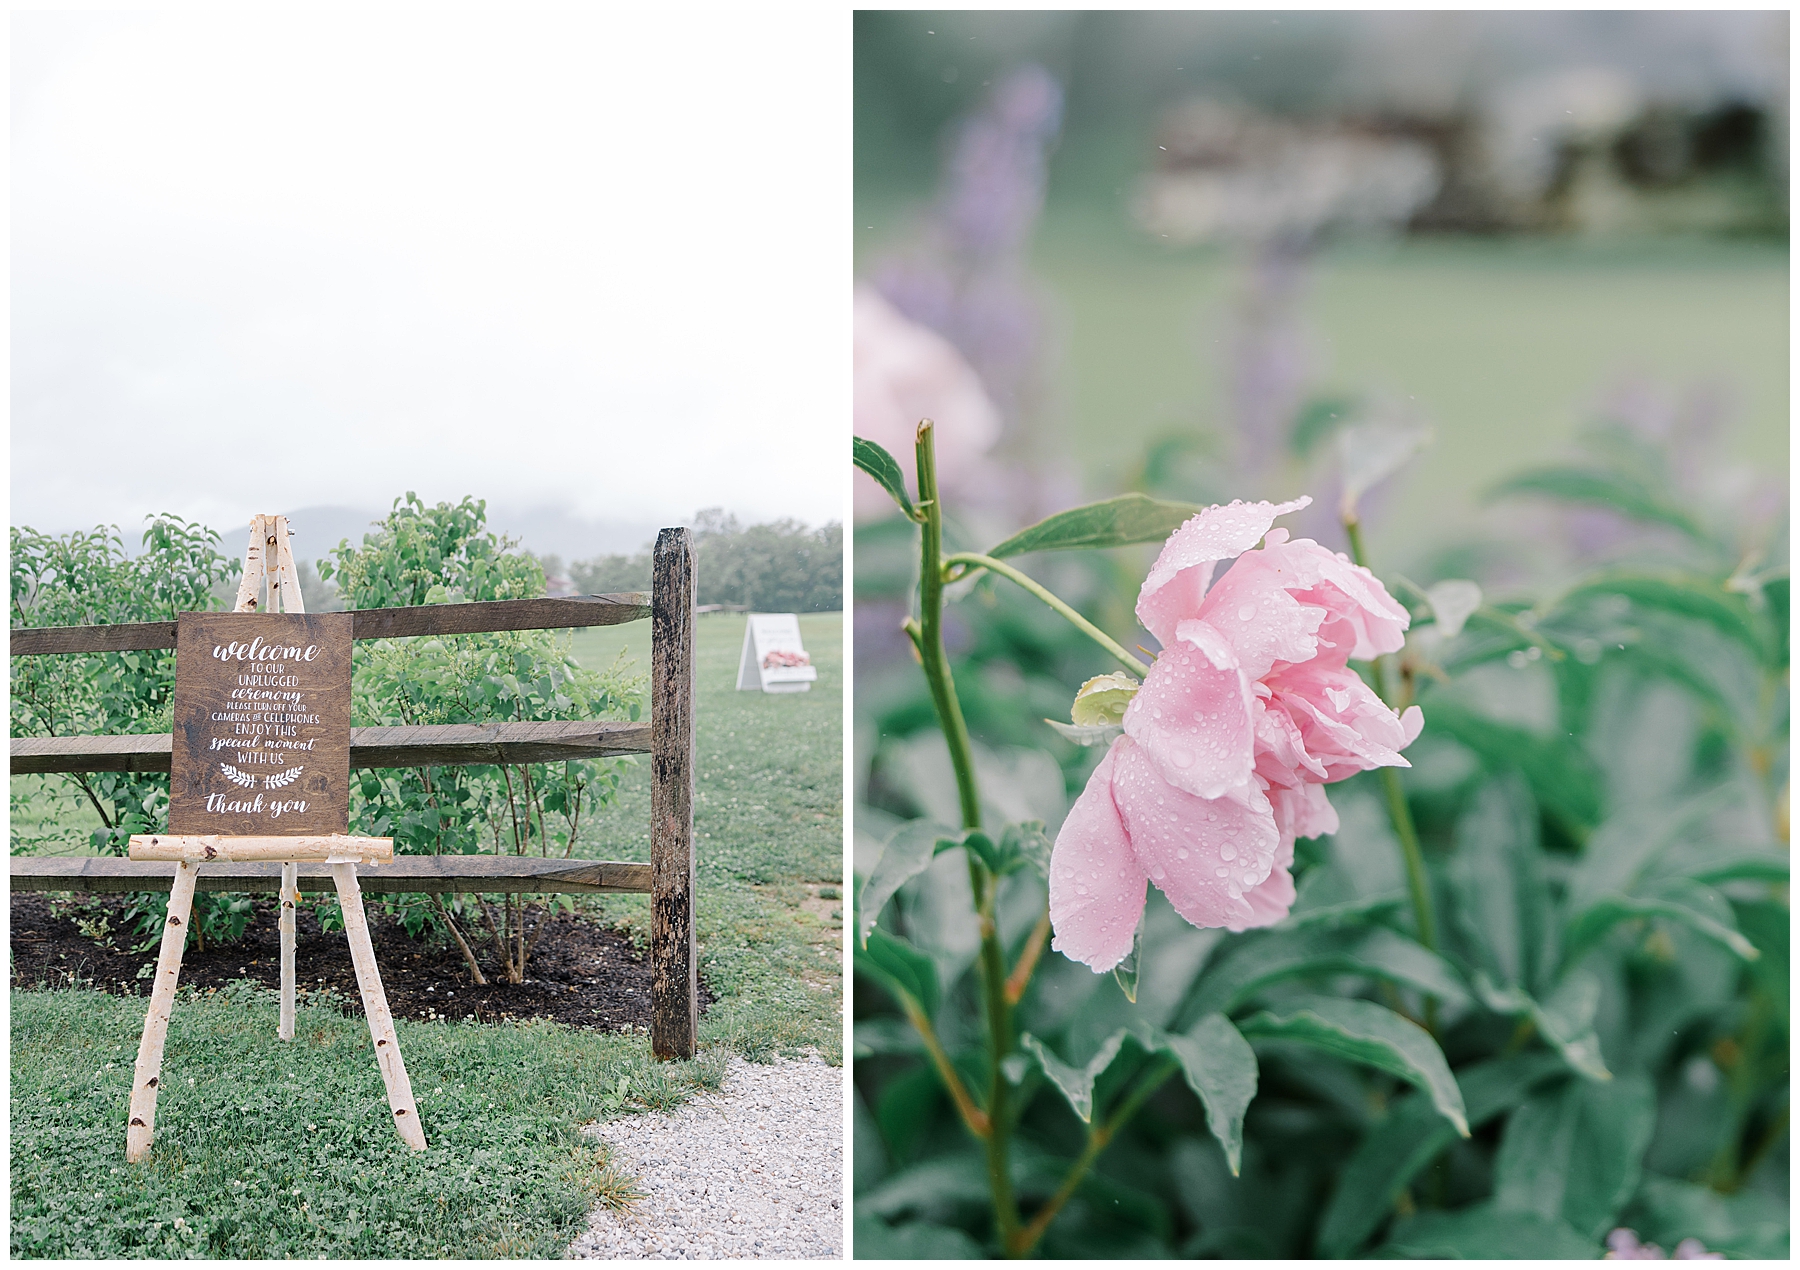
[1248, 713]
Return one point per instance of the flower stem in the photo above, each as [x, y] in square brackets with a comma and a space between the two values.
[931, 642]
[1417, 882]
[982, 883]
[974, 1117]
[1028, 959]
[1099, 1137]
[1043, 593]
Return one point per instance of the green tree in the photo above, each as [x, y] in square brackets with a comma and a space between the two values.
[779, 567]
[445, 554]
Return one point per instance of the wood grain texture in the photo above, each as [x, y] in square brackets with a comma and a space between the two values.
[375, 1009]
[204, 848]
[146, 1076]
[245, 698]
[674, 985]
[290, 903]
[442, 745]
[417, 874]
[250, 582]
[429, 619]
[284, 574]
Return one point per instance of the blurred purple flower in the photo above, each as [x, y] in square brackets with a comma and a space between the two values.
[1269, 354]
[967, 281]
[1622, 1245]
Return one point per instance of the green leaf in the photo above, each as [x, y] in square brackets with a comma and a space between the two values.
[1485, 1232]
[1026, 843]
[1116, 522]
[1126, 972]
[888, 474]
[1497, 874]
[1576, 1152]
[1088, 735]
[933, 1186]
[1364, 1032]
[984, 848]
[1564, 780]
[1220, 1067]
[1256, 962]
[1678, 901]
[1600, 489]
[907, 853]
[914, 1241]
[885, 1034]
[1748, 1224]
[1745, 866]
[901, 968]
[1076, 1084]
[1412, 1136]
[1566, 1019]
[1686, 595]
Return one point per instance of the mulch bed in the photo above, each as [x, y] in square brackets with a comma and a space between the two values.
[581, 973]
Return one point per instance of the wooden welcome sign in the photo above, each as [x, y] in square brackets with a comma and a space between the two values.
[262, 724]
[260, 770]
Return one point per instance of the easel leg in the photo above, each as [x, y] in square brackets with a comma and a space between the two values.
[148, 1073]
[290, 899]
[375, 1006]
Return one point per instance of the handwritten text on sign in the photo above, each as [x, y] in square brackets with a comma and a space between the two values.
[262, 724]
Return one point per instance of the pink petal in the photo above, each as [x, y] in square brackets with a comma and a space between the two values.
[1270, 902]
[1412, 722]
[1345, 727]
[1252, 607]
[1347, 591]
[1303, 812]
[1193, 716]
[1204, 854]
[1096, 884]
[1178, 579]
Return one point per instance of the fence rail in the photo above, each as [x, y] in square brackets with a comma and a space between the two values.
[445, 745]
[423, 619]
[416, 873]
[668, 737]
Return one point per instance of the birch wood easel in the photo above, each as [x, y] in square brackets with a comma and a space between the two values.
[268, 563]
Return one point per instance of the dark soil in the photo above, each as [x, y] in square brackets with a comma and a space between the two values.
[581, 973]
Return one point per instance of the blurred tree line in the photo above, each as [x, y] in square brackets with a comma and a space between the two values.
[782, 566]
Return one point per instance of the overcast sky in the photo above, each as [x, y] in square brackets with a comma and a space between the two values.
[271, 261]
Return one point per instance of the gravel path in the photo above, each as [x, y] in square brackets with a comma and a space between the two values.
[753, 1171]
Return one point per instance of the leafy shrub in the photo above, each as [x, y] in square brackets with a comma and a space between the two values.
[87, 578]
[1593, 975]
[445, 554]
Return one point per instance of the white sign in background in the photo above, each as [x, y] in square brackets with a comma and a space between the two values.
[767, 633]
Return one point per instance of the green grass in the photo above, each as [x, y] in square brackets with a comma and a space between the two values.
[500, 1180]
[272, 1149]
[768, 826]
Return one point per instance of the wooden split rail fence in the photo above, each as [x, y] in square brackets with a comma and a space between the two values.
[668, 738]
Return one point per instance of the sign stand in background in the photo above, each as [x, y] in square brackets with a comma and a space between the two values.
[774, 659]
[260, 770]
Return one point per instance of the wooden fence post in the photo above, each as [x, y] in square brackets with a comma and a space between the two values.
[674, 989]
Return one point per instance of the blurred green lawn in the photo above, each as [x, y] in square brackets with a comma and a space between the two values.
[1504, 344]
